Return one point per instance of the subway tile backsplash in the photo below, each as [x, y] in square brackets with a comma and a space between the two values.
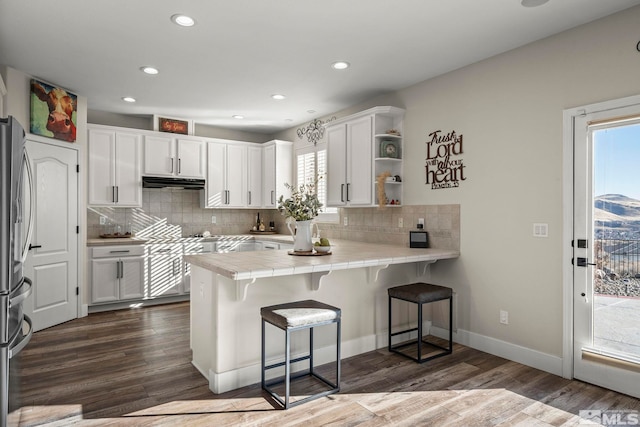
[177, 213]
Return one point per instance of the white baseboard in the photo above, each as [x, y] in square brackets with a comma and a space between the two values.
[241, 377]
[526, 356]
[230, 380]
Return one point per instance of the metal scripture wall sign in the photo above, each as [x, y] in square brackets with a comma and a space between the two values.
[444, 169]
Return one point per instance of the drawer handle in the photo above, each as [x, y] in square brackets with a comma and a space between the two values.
[120, 252]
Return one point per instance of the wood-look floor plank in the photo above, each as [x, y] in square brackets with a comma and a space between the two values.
[133, 368]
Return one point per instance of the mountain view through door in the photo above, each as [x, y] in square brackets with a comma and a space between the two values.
[616, 286]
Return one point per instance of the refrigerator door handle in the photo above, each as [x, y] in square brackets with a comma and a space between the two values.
[17, 346]
[22, 296]
[32, 199]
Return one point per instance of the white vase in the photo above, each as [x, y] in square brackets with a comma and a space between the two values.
[301, 233]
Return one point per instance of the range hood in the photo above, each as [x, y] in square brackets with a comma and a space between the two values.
[167, 182]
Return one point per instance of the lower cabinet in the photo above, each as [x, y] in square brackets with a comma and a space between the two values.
[165, 270]
[117, 273]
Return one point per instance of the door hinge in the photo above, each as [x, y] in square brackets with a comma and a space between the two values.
[78, 168]
[77, 229]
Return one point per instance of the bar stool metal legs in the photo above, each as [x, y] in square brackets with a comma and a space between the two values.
[420, 294]
[293, 317]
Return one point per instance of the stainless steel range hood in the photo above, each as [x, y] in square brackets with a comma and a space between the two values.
[167, 182]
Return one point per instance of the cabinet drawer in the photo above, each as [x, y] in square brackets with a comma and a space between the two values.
[118, 251]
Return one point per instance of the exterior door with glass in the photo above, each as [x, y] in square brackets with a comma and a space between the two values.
[606, 249]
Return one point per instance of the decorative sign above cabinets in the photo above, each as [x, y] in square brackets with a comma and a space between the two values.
[443, 168]
[314, 130]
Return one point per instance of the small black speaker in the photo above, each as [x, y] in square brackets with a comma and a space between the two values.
[418, 239]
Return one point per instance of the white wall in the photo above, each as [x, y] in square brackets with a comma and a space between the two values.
[509, 109]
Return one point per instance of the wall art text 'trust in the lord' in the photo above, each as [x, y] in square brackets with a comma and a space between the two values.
[444, 169]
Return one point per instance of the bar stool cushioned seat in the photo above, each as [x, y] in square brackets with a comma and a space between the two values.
[419, 294]
[292, 317]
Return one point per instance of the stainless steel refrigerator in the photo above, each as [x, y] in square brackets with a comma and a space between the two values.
[15, 233]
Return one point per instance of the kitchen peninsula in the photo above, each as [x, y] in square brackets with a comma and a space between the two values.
[227, 291]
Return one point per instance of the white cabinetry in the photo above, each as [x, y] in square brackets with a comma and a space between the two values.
[254, 177]
[354, 158]
[349, 169]
[171, 156]
[277, 169]
[226, 182]
[165, 269]
[117, 273]
[114, 168]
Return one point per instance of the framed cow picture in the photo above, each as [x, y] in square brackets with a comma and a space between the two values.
[53, 111]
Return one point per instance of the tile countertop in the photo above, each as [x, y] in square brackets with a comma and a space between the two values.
[344, 255]
[279, 238]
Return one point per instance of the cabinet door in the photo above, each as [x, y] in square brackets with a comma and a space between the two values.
[191, 158]
[215, 185]
[132, 280]
[104, 280]
[236, 169]
[163, 275]
[269, 176]
[360, 162]
[127, 177]
[254, 176]
[101, 170]
[159, 156]
[336, 165]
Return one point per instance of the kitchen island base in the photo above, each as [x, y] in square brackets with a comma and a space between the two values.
[226, 331]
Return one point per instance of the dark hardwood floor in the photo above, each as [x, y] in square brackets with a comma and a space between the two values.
[133, 367]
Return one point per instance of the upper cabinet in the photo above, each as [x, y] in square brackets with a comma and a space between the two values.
[174, 156]
[277, 170]
[114, 168]
[361, 148]
[254, 176]
[226, 181]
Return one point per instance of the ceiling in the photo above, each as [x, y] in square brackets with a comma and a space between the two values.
[240, 52]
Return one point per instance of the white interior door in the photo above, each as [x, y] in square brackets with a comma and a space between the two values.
[606, 237]
[52, 263]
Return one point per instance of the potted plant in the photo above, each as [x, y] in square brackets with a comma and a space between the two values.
[302, 206]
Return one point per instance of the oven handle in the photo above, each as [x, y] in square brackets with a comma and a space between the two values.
[16, 347]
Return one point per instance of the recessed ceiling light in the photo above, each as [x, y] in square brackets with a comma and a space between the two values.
[278, 96]
[288, 120]
[238, 116]
[533, 3]
[128, 99]
[183, 20]
[311, 111]
[340, 65]
[149, 70]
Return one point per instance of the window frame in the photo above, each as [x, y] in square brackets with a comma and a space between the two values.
[333, 215]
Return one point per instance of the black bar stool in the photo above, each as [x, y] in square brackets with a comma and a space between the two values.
[292, 317]
[419, 294]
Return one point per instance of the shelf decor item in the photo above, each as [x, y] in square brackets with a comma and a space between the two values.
[389, 148]
[302, 207]
[382, 195]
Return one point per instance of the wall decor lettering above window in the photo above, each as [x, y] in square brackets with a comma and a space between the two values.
[314, 130]
[443, 168]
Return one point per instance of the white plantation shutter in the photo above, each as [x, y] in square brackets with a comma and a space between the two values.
[311, 163]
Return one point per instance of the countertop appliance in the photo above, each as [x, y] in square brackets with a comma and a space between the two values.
[15, 327]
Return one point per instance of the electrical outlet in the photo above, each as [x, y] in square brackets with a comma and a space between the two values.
[400, 222]
[103, 220]
[345, 221]
[213, 219]
[421, 221]
[504, 317]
